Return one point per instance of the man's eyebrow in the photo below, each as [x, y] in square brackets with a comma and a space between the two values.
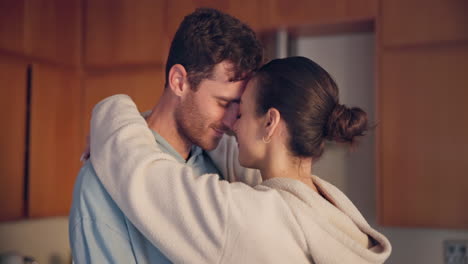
[227, 99]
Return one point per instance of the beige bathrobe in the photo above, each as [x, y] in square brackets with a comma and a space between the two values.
[205, 220]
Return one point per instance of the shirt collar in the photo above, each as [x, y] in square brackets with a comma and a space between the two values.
[167, 148]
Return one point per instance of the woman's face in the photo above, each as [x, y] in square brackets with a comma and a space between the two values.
[249, 129]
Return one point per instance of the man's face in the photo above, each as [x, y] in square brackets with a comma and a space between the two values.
[207, 113]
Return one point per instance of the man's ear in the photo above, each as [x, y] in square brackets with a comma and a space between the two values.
[178, 79]
[271, 123]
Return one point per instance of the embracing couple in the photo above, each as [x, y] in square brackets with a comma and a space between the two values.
[220, 171]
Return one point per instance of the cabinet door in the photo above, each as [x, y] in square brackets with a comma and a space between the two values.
[13, 138]
[249, 12]
[423, 143]
[285, 13]
[423, 21]
[53, 30]
[56, 140]
[144, 86]
[12, 14]
[122, 32]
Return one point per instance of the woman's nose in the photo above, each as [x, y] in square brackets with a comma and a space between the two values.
[230, 115]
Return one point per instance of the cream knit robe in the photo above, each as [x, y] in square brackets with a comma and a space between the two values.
[205, 220]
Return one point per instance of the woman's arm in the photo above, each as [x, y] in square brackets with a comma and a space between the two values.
[184, 216]
[226, 158]
[160, 196]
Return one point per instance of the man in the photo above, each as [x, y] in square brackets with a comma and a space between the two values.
[211, 56]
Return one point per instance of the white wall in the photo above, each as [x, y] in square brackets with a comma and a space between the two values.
[45, 239]
[350, 60]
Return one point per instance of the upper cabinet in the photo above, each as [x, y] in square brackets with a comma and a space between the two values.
[48, 30]
[423, 21]
[124, 32]
[53, 30]
[13, 111]
[250, 12]
[284, 13]
[12, 23]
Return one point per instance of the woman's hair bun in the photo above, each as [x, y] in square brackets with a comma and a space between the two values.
[345, 124]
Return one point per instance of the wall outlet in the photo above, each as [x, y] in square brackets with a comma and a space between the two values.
[455, 251]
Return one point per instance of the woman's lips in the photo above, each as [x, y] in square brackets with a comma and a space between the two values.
[218, 132]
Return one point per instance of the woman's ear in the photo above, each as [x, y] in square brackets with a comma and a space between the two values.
[178, 79]
[272, 120]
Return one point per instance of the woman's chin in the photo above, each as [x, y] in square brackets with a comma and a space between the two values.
[244, 163]
[241, 162]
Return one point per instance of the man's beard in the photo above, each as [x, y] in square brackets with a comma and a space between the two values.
[193, 126]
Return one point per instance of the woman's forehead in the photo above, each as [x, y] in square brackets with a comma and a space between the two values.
[249, 90]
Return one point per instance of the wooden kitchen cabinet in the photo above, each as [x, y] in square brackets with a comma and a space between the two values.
[53, 30]
[42, 29]
[56, 140]
[267, 15]
[122, 32]
[302, 13]
[144, 86]
[13, 113]
[422, 148]
[12, 19]
[423, 21]
[250, 12]
[423, 128]
[42, 139]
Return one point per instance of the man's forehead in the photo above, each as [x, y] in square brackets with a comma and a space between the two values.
[230, 92]
[225, 71]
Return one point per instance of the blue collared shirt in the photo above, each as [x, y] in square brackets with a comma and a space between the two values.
[101, 233]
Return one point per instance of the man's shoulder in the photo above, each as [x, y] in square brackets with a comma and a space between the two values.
[88, 186]
[91, 201]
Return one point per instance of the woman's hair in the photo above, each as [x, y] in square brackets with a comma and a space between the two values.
[207, 37]
[307, 98]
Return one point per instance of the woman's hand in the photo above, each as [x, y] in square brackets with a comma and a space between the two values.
[87, 151]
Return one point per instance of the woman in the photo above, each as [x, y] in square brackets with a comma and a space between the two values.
[288, 110]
